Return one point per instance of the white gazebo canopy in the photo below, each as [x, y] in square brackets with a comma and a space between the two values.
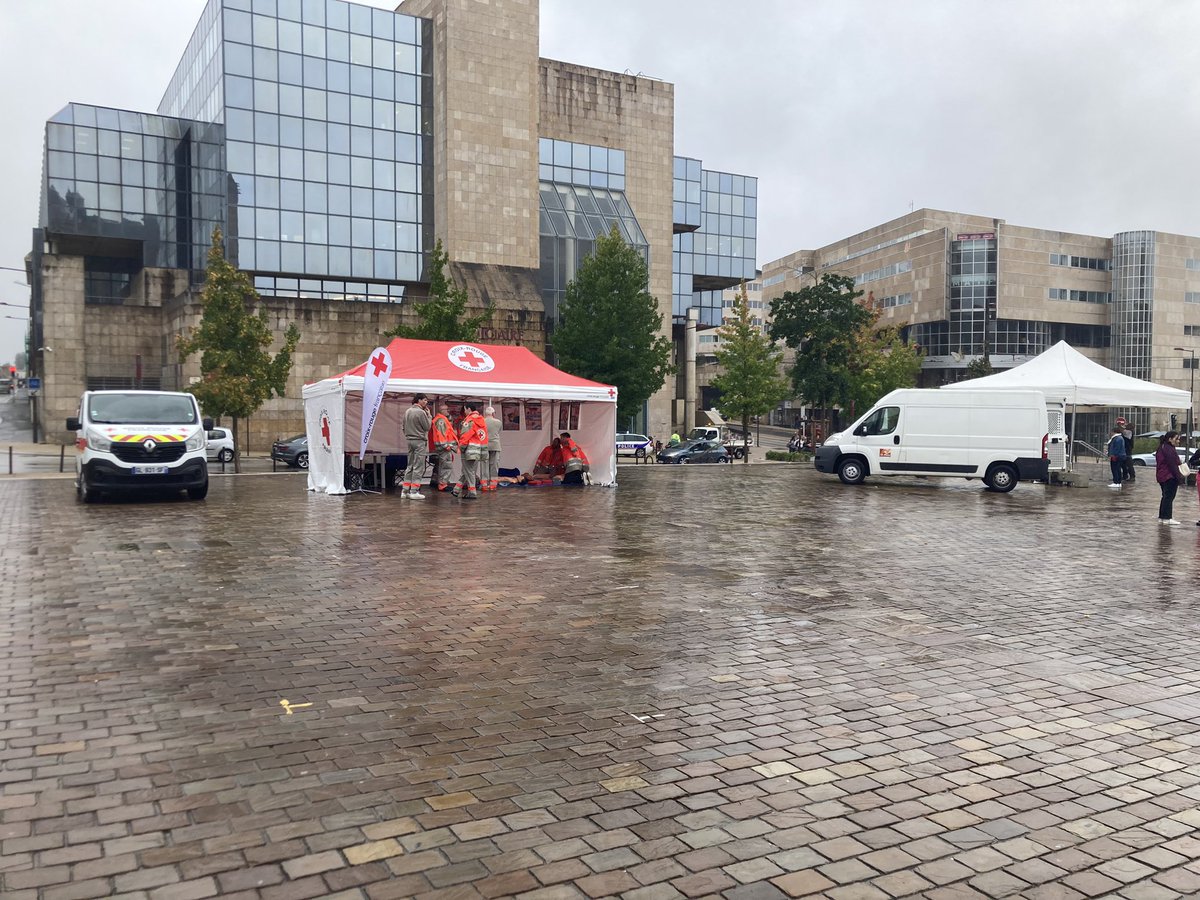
[1062, 372]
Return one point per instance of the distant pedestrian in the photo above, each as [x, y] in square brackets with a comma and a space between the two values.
[1116, 456]
[417, 422]
[1127, 470]
[1166, 470]
[494, 426]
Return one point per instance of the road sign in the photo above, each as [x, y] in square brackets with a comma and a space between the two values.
[33, 383]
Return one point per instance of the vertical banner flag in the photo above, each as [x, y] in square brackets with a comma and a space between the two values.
[375, 379]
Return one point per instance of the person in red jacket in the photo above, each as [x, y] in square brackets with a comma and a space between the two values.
[575, 461]
[550, 460]
[473, 441]
[443, 441]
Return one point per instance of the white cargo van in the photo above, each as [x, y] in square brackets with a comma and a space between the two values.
[1001, 437]
[139, 440]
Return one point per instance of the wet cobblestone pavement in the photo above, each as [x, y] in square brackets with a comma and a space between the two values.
[738, 682]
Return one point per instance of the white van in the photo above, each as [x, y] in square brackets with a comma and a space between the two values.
[137, 441]
[1000, 436]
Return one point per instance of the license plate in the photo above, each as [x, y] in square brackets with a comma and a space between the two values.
[149, 470]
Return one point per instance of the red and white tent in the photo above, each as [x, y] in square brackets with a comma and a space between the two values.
[534, 400]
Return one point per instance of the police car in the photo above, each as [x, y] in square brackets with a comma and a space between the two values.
[633, 445]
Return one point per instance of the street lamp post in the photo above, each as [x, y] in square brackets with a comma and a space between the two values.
[1191, 393]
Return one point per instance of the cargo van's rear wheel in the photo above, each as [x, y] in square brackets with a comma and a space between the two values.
[852, 470]
[1001, 477]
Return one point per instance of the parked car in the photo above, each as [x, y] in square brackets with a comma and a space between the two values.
[293, 451]
[633, 445]
[1147, 459]
[696, 452]
[220, 444]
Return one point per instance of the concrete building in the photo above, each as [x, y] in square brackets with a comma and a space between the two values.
[962, 286]
[334, 143]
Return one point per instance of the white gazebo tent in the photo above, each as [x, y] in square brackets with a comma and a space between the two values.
[1062, 372]
[534, 400]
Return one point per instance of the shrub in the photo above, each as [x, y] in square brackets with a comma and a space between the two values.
[786, 456]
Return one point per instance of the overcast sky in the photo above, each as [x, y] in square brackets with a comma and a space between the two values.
[1081, 115]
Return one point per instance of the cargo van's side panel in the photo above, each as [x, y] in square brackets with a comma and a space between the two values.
[1005, 433]
[934, 440]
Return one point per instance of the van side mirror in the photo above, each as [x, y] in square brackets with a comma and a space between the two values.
[207, 424]
[861, 430]
[73, 424]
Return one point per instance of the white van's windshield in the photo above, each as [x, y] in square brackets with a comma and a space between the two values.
[141, 409]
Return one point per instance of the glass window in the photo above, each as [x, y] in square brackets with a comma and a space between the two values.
[266, 160]
[291, 194]
[339, 230]
[239, 59]
[110, 169]
[314, 197]
[337, 46]
[289, 37]
[339, 170]
[315, 167]
[314, 41]
[266, 95]
[291, 131]
[264, 32]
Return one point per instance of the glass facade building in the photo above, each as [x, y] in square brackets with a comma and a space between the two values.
[301, 127]
[127, 176]
[720, 250]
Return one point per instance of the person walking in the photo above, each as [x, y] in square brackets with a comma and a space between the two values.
[1166, 470]
[1116, 456]
[442, 443]
[1127, 469]
[473, 441]
[494, 427]
[417, 422]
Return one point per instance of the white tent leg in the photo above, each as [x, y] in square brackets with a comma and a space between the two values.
[1074, 419]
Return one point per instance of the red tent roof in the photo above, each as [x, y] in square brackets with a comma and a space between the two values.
[483, 364]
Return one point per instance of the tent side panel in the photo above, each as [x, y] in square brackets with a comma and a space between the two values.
[325, 414]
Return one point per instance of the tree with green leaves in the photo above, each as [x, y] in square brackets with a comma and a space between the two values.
[237, 374]
[750, 382]
[979, 367]
[882, 363]
[441, 316]
[821, 323]
[609, 326]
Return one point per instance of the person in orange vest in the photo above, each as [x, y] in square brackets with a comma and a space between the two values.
[575, 461]
[442, 443]
[473, 441]
[550, 460]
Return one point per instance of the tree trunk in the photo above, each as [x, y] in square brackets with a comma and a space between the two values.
[237, 449]
[745, 438]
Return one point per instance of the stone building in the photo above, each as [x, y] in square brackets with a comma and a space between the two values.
[962, 286]
[333, 143]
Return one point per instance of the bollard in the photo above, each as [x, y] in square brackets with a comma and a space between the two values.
[62, 456]
[10, 459]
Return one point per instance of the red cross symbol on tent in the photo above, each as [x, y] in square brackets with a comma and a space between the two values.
[471, 359]
[379, 363]
[611, 392]
[325, 429]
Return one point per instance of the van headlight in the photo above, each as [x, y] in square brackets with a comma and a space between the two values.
[97, 441]
[196, 441]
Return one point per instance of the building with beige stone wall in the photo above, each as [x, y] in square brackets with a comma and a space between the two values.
[962, 286]
[334, 143]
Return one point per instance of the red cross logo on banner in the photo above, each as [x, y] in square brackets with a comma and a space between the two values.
[379, 363]
[325, 429]
[470, 358]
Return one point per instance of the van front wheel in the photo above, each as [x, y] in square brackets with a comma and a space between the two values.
[852, 471]
[1001, 477]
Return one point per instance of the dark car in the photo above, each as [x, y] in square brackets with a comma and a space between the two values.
[696, 452]
[293, 451]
